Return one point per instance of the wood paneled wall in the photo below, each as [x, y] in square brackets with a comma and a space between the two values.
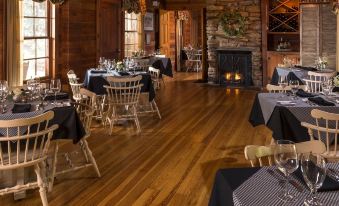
[2, 39]
[76, 37]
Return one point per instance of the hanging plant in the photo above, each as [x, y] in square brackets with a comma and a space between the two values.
[233, 24]
[132, 6]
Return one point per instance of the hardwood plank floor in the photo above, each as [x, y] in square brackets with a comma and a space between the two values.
[174, 160]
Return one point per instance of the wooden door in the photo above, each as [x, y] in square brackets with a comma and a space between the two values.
[110, 29]
[164, 32]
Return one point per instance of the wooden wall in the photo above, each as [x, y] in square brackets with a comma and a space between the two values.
[2, 39]
[76, 37]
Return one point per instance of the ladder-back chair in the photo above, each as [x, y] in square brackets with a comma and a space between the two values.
[25, 143]
[123, 95]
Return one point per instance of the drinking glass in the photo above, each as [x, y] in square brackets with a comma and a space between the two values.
[283, 84]
[286, 158]
[294, 84]
[43, 92]
[313, 168]
[55, 86]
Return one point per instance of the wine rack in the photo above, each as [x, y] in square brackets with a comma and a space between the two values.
[283, 16]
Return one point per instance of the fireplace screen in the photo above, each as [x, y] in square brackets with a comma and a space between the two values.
[235, 68]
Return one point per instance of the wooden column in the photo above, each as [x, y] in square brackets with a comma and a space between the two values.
[204, 46]
[336, 9]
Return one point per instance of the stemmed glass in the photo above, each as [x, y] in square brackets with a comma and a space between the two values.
[286, 158]
[294, 84]
[55, 86]
[283, 83]
[313, 168]
[43, 92]
[3, 94]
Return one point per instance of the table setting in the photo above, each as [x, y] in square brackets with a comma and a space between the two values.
[96, 79]
[283, 112]
[296, 179]
[36, 98]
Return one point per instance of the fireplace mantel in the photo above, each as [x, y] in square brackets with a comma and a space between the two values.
[234, 49]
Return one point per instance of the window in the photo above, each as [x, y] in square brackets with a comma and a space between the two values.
[38, 32]
[131, 33]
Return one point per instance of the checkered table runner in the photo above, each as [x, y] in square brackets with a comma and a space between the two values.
[262, 189]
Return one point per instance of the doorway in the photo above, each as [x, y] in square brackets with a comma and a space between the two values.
[181, 39]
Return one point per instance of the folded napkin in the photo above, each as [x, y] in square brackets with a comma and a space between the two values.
[328, 185]
[98, 71]
[21, 108]
[320, 101]
[302, 93]
[306, 68]
[124, 73]
[60, 96]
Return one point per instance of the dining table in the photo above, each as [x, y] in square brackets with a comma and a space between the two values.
[65, 116]
[283, 113]
[164, 64]
[256, 186]
[95, 80]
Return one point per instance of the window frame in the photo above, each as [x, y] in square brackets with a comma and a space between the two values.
[49, 37]
[136, 32]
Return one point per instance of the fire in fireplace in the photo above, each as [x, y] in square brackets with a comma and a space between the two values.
[233, 77]
[234, 67]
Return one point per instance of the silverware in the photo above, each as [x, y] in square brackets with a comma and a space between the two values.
[292, 182]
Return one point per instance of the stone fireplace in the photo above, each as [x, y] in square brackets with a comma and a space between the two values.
[234, 67]
[251, 41]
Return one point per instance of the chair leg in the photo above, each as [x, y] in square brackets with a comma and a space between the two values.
[83, 149]
[156, 108]
[91, 157]
[42, 188]
[136, 120]
[112, 121]
[54, 164]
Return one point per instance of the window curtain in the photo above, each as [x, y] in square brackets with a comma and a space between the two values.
[14, 43]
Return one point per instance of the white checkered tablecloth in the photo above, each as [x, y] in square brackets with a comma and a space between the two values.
[262, 189]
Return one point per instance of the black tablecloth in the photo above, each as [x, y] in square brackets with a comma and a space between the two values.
[163, 64]
[95, 83]
[282, 122]
[70, 125]
[226, 181]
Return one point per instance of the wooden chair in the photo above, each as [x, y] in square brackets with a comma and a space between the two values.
[276, 89]
[25, 143]
[324, 131]
[123, 97]
[85, 113]
[147, 107]
[76, 87]
[155, 75]
[262, 154]
[316, 78]
[72, 77]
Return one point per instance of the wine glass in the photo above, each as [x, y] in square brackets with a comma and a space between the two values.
[294, 84]
[313, 167]
[286, 158]
[43, 92]
[55, 86]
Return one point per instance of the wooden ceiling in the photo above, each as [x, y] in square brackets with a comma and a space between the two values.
[184, 4]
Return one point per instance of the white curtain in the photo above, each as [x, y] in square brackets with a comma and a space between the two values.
[14, 43]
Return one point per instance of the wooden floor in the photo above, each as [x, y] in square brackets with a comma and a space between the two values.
[174, 160]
